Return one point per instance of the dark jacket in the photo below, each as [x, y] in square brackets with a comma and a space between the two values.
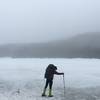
[50, 71]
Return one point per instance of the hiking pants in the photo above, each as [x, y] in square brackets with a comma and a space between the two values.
[50, 82]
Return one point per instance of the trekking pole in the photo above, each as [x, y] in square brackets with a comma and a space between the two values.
[64, 85]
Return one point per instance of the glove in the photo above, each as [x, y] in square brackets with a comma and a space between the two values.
[62, 73]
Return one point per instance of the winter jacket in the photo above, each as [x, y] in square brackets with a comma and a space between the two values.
[50, 71]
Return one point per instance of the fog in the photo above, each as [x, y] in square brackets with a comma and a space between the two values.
[25, 21]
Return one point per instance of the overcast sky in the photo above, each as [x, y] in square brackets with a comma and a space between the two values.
[46, 20]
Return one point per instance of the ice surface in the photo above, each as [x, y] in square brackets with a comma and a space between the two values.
[23, 79]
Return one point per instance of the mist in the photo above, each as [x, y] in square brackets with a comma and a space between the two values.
[36, 21]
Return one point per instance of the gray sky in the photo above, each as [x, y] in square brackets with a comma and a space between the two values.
[46, 20]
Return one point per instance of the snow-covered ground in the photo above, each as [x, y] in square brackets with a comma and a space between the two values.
[23, 79]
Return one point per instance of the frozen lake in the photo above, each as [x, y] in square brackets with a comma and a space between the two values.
[23, 79]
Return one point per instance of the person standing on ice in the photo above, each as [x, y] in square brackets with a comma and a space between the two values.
[49, 75]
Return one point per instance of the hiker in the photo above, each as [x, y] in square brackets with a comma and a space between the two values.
[49, 74]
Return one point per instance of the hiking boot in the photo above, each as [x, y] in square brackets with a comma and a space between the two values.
[43, 95]
[50, 94]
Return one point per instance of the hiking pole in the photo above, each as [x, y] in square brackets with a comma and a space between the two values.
[64, 85]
